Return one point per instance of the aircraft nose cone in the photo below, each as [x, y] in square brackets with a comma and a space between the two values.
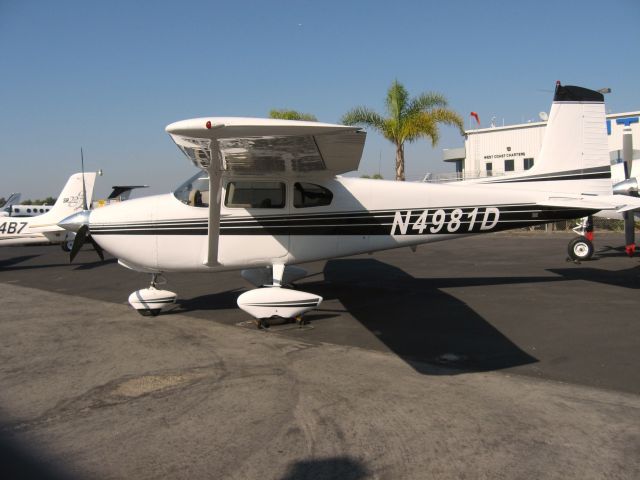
[72, 223]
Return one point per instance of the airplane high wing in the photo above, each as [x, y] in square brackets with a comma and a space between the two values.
[259, 145]
[263, 146]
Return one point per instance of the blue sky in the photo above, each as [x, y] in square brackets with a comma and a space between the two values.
[109, 76]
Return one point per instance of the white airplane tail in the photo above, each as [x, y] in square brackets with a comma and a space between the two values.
[574, 156]
[70, 199]
[576, 134]
[13, 199]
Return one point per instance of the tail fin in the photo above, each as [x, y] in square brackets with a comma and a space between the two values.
[13, 199]
[576, 136]
[574, 156]
[70, 199]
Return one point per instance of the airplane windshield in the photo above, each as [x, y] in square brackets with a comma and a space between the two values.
[195, 191]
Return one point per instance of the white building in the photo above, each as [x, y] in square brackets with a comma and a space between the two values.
[501, 150]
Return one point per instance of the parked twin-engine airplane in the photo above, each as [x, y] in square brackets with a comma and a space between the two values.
[270, 196]
[43, 229]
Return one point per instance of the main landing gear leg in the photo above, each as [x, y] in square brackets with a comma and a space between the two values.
[581, 248]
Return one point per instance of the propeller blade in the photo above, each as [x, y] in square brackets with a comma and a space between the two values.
[97, 248]
[78, 242]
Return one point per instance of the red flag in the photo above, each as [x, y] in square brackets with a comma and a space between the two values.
[475, 115]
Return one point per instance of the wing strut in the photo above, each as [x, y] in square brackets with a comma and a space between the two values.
[214, 168]
[215, 197]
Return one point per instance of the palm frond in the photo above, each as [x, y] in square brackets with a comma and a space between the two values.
[425, 102]
[421, 124]
[285, 114]
[365, 117]
[397, 99]
[448, 117]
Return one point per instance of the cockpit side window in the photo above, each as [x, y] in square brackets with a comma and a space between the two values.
[310, 195]
[255, 194]
[195, 191]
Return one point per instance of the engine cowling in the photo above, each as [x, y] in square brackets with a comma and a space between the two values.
[271, 302]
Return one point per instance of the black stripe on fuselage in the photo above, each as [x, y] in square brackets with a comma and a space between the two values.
[283, 305]
[583, 174]
[463, 220]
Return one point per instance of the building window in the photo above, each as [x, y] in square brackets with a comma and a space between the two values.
[528, 163]
[489, 167]
[509, 166]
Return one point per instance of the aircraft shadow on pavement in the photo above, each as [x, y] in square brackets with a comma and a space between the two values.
[95, 264]
[607, 251]
[433, 331]
[25, 461]
[226, 300]
[10, 262]
[342, 467]
[628, 278]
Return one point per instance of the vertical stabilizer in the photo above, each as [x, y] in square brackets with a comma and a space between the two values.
[13, 199]
[575, 139]
[70, 199]
[574, 156]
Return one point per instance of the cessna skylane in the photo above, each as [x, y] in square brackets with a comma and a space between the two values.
[43, 229]
[270, 196]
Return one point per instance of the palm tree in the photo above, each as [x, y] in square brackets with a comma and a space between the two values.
[408, 119]
[285, 114]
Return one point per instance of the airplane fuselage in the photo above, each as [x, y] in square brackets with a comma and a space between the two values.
[161, 233]
[16, 231]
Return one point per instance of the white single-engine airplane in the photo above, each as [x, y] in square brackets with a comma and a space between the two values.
[269, 197]
[43, 229]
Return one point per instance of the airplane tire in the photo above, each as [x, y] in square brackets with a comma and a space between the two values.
[154, 312]
[580, 249]
[263, 323]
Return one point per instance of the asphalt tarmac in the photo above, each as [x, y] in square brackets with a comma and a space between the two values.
[486, 357]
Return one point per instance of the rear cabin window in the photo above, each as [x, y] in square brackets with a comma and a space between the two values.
[257, 194]
[310, 195]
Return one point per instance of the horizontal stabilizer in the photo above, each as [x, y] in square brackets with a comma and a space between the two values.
[620, 203]
[123, 191]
